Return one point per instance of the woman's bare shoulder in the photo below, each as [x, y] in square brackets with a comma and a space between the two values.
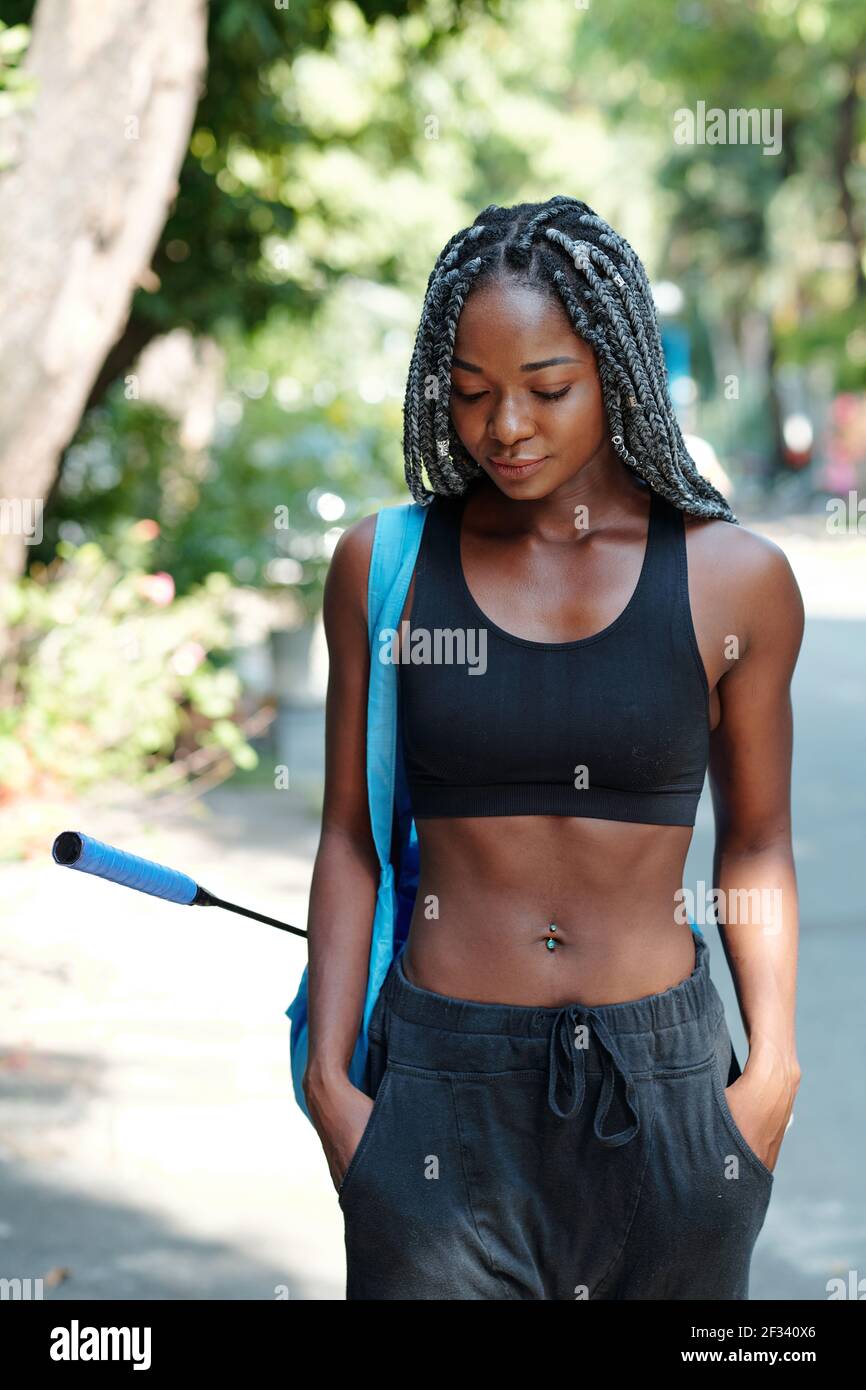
[752, 570]
[349, 571]
[345, 591]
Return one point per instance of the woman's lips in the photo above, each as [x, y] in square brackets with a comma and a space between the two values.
[521, 468]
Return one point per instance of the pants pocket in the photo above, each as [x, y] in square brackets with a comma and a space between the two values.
[719, 1072]
[408, 1222]
[699, 1216]
[381, 1076]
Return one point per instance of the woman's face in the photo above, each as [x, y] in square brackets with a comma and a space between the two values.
[524, 386]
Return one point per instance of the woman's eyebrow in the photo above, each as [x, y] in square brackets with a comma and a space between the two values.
[525, 366]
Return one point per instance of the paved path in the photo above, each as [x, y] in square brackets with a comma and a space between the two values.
[150, 1141]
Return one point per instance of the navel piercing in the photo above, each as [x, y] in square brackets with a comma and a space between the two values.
[551, 945]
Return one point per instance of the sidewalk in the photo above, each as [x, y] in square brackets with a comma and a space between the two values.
[150, 1144]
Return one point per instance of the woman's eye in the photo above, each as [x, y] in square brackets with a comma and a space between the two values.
[545, 395]
[553, 395]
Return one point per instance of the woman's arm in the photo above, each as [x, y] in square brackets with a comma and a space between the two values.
[753, 864]
[346, 871]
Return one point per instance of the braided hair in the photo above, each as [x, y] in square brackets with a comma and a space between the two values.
[565, 249]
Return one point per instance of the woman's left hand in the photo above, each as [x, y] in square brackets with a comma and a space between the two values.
[762, 1104]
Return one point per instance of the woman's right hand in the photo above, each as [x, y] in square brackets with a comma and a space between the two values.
[339, 1112]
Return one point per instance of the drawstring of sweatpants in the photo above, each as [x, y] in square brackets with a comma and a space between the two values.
[562, 1041]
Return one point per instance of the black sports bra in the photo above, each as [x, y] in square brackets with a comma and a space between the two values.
[614, 726]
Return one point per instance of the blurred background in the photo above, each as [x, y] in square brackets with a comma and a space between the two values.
[216, 228]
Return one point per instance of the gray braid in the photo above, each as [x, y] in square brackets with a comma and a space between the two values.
[565, 248]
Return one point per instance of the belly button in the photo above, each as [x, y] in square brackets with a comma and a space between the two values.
[551, 944]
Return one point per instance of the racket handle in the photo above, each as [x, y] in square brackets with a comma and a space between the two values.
[77, 851]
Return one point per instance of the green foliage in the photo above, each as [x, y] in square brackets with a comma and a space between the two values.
[107, 675]
[341, 144]
[836, 336]
[232, 202]
[753, 230]
[238, 190]
[308, 437]
[14, 40]
[16, 88]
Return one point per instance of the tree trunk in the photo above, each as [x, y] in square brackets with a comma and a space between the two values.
[84, 197]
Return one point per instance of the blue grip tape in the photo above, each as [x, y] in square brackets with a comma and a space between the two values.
[128, 869]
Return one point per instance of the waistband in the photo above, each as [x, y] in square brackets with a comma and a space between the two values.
[659, 1033]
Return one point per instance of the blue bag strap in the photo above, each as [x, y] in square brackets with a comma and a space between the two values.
[392, 559]
[395, 549]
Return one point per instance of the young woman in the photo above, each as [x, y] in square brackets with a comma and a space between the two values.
[553, 1107]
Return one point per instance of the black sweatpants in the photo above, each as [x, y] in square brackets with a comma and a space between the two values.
[552, 1153]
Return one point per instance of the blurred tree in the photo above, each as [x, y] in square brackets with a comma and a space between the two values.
[83, 198]
[391, 136]
[777, 235]
[98, 178]
[234, 202]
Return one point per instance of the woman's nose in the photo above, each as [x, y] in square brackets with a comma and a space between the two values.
[510, 421]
